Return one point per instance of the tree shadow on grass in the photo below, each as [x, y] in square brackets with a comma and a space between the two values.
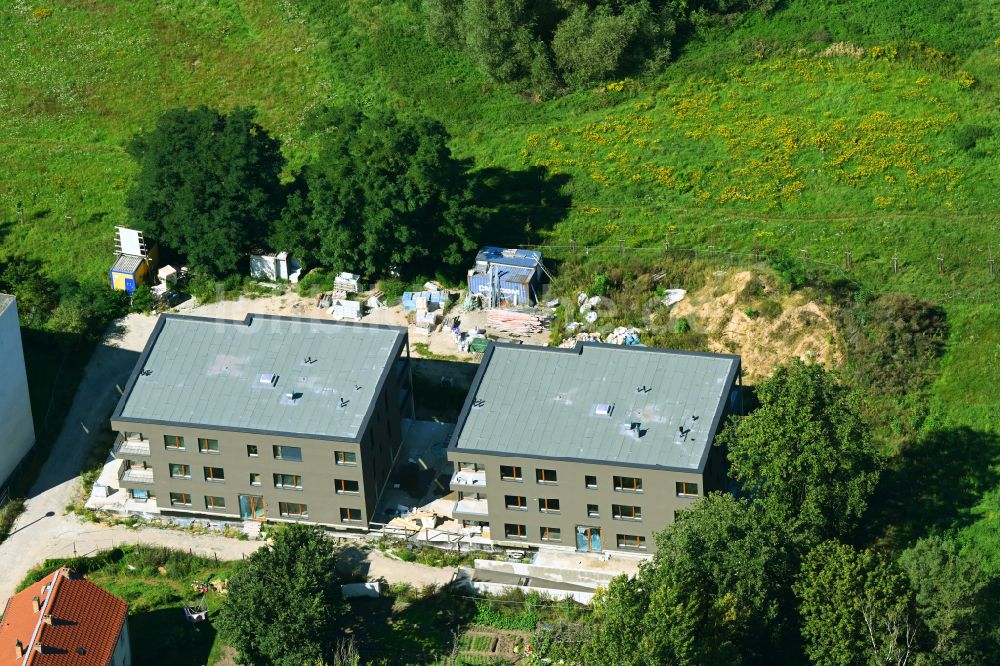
[164, 637]
[398, 629]
[523, 203]
[933, 486]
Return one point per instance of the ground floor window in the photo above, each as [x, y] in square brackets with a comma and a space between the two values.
[514, 531]
[550, 534]
[350, 515]
[631, 542]
[140, 495]
[293, 510]
[213, 503]
[180, 499]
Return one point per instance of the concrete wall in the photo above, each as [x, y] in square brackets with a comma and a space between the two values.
[658, 500]
[375, 452]
[15, 406]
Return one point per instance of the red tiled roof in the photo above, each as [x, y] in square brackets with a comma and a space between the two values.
[87, 622]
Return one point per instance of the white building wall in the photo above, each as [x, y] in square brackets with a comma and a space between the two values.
[15, 406]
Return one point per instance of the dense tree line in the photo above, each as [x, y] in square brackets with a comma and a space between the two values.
[384, 193]
[552, 45]
[80, 310]
[772, 578]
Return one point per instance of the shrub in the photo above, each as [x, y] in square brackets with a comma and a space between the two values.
[894, 341]
[682, 326]
[204, 288]
[142, 299]
[791, 272]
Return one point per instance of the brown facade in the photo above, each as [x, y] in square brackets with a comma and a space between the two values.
[624, 506]
[265, 476]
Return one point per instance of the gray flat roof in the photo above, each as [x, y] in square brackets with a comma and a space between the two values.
[554, 403]
[237, 375]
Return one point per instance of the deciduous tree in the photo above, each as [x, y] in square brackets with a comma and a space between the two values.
[283, 602]
[384, 193]
[717, 591]
[208, 185]
[856, 607]
[805, 453]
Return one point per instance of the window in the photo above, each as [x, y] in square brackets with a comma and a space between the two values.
[254, 479]
[180, 499]
[515, 502]
[208, 445]
[292, 453]
[173, 442]
[628, 484]
[293, 481]
[548, 505]
[293, 510]
[512, 531]
[346, 458]
[590, 481]
[350, 515]
[346, 486]
[510, 473]
[592, 511]
[687, 489]
[252, 451]
[215, 503]
[134, 436]
[215, 474]
[545, 476]
[550, 534]
[631, 542]
[178, 471]
[624, 512]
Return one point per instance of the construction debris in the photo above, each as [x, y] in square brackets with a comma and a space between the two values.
[375, 301]
[674, 296]
[348, 283]
[623, 336]
[517, 322]
[344, 309]
[580, 337]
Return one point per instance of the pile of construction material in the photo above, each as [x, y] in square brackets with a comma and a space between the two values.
[341, 308]
[623, 336]
[518, 322]
[569, 343]
[349, 283]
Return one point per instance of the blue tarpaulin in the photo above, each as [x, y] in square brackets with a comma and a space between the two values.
[410, 302]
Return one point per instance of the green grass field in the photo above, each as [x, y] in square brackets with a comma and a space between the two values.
[859, 126]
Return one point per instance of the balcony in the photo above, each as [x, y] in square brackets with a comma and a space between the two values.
[132, 475]
[130, 447]
[471, 507]
[467, 478]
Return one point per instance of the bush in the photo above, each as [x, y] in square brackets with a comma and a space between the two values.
[791, 272]
[393, 289]
[204, 288]
[894, 341]
[142, 299]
